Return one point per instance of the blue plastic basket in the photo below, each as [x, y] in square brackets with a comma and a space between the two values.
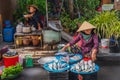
[96, 70]
[48, 69]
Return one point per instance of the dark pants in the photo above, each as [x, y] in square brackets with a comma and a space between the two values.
[73, 76]
[90, 76]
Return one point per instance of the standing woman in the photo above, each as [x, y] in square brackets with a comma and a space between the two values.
[89, 40]
[33, 18]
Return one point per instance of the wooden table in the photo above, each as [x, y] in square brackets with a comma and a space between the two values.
[37, 33]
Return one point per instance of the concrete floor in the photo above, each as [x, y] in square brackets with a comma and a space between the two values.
[2, 44]
[109, 69]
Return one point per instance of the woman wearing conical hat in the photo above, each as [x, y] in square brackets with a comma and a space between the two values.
[89, 46]
[33, 17]
[89, 40]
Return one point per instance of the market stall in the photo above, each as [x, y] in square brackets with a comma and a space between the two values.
[38, 50]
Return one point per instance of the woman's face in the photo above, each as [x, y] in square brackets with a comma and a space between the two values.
[88, 31]
[32, 9]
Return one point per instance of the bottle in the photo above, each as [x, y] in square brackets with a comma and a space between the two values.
[28, 61]
[20, 59]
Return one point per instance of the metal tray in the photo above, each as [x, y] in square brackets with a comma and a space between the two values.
[44, 60]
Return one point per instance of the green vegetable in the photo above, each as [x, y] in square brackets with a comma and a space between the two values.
[4, 75]
[11, 71]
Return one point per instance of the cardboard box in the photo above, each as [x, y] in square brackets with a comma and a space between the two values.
[106, 1]
[117, 4]
[107, 7]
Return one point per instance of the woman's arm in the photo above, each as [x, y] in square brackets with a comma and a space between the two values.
[78, 38]
[65, 47]
[28, 16]
[93, 55]
[95, 41]
[71, 43]
[95, 47]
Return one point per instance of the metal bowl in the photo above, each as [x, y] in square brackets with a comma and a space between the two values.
[44, 60]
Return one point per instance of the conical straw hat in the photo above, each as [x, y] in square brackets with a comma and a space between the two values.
[34, 6]
[86, 25]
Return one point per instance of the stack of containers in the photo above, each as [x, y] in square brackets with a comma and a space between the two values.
[8, 32]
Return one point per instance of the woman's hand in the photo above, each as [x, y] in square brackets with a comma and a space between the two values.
[64, 48]
[28, 15]
[93, 55]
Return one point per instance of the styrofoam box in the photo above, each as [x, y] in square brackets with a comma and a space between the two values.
[107, 7]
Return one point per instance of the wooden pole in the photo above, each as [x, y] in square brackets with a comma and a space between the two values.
[47, 13]
[71, 7]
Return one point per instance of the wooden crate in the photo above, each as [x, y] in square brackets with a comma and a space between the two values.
[117, 4]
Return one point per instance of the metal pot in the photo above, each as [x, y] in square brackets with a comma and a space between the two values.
[26, 40]
[19, 28]
[35, 40]
[27, 29]
[44, 60]
[18, 41]
[33, 28]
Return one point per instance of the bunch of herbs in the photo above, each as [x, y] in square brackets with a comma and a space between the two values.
[11, 71]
